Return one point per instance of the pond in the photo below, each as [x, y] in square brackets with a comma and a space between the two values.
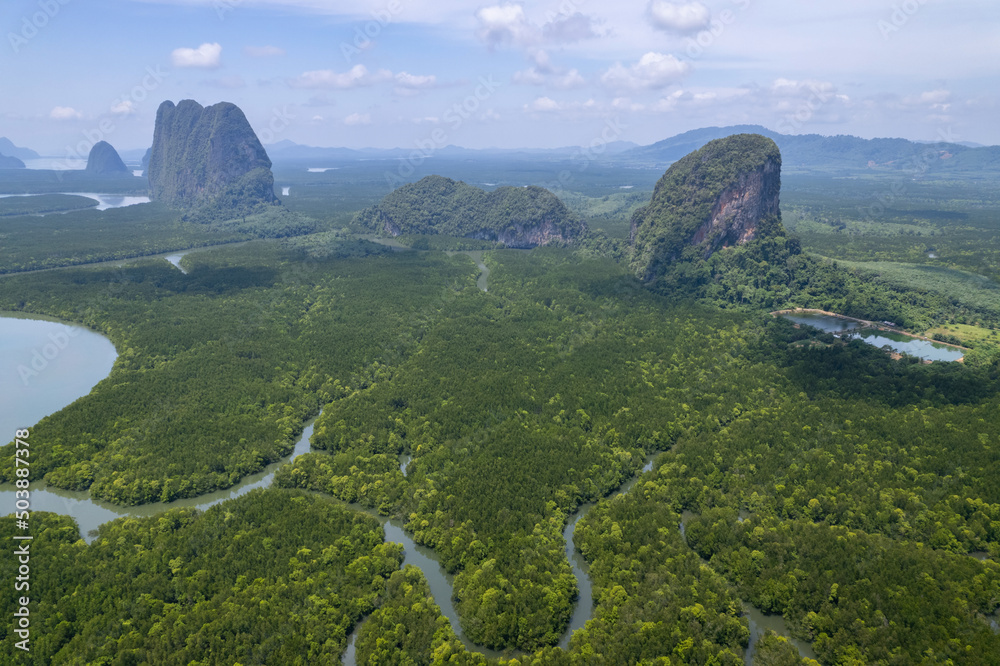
[898, 342]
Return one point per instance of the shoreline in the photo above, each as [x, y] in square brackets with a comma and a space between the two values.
[867, 324]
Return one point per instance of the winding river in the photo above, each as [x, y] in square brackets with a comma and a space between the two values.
[76, 359]
[58, 363]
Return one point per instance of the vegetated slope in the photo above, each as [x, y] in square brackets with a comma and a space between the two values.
[723, 194]
[105, 160]
[208, 158]
[515, 216]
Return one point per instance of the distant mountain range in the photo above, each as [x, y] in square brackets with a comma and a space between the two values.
[289, 151]
[799, 152]
[842, 152]
[8, 148]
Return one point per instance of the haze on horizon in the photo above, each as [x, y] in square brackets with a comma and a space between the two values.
[405, 73]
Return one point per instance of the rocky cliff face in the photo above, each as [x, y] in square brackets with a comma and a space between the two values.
[740, 208]
[208, 157]
[522, 237]
[105, 160]
[724, 194]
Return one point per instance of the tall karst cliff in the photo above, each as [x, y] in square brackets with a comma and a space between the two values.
[724, 194]
[520, 217]
[208, 158]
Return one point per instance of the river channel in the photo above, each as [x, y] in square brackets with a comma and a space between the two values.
[60, 363]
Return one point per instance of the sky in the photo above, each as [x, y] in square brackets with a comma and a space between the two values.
[429, 73]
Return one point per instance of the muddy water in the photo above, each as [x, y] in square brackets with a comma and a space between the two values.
[584, 608]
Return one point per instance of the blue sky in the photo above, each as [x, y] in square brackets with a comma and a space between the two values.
[401, 73]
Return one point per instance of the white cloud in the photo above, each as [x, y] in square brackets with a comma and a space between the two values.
[529, 77]
[490, 114]
[65, 113]
[543, 104]
[549, 105]
[263, 51]
[625, 104]
[327, 78]
[125, 107]
[573, 28]
[938, 100]
[408, 85]
[207, 56]
[317, 119]
[546, 73]
[416, 82]
[535, 76]
[935, 96]
[506, 24]
[669, 103]
[358, 119]
[789, 94]
[683, 17]
[654, 70]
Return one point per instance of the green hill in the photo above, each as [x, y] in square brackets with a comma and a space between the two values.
[724, 194]
[516, 216]
[105, 160]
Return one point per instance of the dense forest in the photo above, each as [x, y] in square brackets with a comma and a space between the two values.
[179, 588]
[853, 494]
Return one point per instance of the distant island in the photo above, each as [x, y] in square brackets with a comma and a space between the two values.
[8, 162]
[104, 160]
[8, 148]
[518, 217]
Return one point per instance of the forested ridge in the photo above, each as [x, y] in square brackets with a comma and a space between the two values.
[439, 205]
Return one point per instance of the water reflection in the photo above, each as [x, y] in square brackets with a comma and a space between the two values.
[898, 342]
